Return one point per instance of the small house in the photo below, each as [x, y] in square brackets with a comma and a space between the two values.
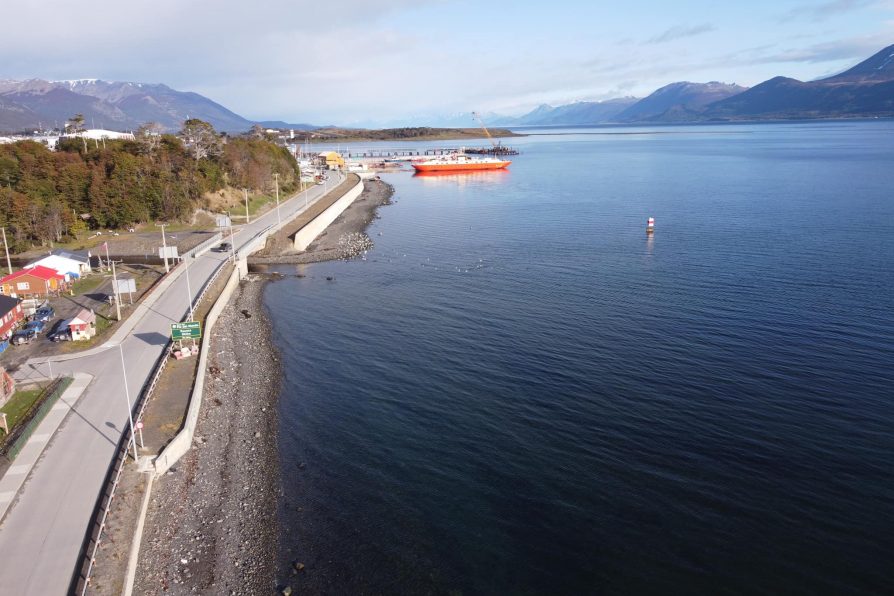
[34, 282]
[11, 314]
[82, 325]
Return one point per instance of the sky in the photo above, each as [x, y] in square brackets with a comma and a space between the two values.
[393, 61]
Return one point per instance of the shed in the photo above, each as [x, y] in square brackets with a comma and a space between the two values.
[83, 325]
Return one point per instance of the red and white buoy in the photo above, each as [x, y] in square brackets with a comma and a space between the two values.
[650, 225]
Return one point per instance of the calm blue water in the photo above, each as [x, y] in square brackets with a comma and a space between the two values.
[518, 392]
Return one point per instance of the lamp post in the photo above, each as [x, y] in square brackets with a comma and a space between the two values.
[115, 290]
[188, 289]
[247, 218]
[232, 241]
[278, 218]
[164, 246]
[133, 437]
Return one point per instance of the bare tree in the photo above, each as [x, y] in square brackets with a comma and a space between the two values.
[201, 138]
[149, 137]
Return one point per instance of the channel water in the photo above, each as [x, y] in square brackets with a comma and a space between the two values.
[520, 392]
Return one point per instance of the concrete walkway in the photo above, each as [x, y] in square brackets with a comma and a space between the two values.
[21, 468]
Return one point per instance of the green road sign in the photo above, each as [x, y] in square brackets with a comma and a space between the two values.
[191, 330]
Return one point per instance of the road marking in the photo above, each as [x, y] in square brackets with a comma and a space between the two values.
[7, 496]
[20, 469]
[60, 405]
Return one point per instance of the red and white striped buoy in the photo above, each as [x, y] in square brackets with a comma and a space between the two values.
[650, 225]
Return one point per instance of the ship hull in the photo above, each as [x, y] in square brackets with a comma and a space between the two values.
[458, 167]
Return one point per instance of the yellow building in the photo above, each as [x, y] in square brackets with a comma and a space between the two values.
[332, 159]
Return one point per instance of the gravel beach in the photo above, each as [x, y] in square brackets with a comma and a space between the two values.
[208, 528]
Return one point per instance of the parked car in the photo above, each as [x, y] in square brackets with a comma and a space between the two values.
[44, 313]
[60, 334]
[224, 247]
[38, 326]
[59, 331]
[23, 336]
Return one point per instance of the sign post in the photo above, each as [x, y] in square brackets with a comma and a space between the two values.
[188, 330]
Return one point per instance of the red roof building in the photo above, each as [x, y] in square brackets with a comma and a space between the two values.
[36, 281]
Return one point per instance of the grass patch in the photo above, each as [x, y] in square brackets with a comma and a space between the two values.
[85, 285]
[18, 404]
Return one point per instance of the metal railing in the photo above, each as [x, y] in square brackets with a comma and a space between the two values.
[18, 437]
[80, 582]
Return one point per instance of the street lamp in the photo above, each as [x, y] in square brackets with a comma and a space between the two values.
[278, 218]
[164, 245]
[188, 290]
[133, 436]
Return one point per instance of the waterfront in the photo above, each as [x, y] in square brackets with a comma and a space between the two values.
[519, 392]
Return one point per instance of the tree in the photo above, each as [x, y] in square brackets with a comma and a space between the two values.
[149, 137]
[75, 124]
[201, 139]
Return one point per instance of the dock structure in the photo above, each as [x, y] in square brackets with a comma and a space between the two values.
[386, 153]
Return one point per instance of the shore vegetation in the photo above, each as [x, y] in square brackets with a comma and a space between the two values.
[49, 197]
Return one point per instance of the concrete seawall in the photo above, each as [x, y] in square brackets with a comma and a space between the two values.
[314, 228]
[182, 443]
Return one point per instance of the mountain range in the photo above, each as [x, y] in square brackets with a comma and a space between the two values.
[866, 90]
[35, 103]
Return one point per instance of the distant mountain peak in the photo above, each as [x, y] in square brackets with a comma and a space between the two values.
[876, 68]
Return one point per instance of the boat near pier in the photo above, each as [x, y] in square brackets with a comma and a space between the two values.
[459, 162]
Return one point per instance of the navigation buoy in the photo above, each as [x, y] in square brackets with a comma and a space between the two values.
[650, 225]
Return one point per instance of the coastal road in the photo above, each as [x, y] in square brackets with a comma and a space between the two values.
[42, 533]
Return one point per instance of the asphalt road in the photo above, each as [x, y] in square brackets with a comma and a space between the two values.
[41, 536]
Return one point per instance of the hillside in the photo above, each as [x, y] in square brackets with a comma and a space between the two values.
[47, 196]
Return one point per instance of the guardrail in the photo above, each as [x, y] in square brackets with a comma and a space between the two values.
[80, 582]
[204, 246]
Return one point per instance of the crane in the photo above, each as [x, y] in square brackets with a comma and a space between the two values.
[477, 117]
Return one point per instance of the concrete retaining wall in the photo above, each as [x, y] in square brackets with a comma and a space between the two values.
[308, 233]
[178, 447]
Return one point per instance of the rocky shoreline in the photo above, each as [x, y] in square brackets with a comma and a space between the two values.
[211, 524]
[208, 525]
[345, 237]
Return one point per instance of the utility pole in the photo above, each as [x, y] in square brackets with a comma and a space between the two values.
[6, 247]
[247, 218]
[232, 241]
[133, 437]
[164, 246]
[115, 289]
[278, 218]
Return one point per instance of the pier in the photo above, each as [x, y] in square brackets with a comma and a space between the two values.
[385, 153]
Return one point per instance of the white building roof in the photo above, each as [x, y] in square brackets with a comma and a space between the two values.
[58, 263]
